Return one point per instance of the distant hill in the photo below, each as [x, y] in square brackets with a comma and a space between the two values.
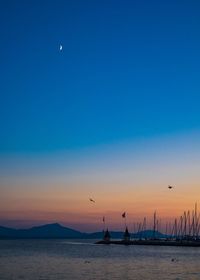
[57, 231]
[148, 234]
[119, 234]
[7, 232]
[44, 231]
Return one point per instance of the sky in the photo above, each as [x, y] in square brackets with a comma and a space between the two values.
[113, 116]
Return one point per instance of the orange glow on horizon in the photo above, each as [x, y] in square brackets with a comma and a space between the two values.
[75, 208]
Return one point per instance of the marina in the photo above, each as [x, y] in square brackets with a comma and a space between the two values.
[184, 232]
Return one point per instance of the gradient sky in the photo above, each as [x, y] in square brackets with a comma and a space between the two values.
[114, 116]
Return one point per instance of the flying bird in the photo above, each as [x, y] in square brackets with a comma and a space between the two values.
[61, 48]
[92, 200]
[170, 187]
[124, 215]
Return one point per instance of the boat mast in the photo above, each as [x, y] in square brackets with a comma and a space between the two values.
[154, 225]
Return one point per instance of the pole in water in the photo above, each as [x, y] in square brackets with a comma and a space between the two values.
[154, 224]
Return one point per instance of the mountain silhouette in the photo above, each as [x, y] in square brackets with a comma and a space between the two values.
[45, 231]
[56, 230]
[120, 234]
[7, 232]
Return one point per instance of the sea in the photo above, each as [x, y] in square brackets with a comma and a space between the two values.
[83, 260]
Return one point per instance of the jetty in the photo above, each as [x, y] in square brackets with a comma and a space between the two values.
[182, 243]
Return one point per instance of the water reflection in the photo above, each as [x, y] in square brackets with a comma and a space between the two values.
[70, 259]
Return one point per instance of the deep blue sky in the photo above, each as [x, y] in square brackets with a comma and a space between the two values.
[128, 70]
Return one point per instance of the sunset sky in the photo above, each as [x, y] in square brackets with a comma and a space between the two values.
[114, 116]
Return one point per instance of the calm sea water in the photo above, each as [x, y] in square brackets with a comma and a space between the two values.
[81, 259]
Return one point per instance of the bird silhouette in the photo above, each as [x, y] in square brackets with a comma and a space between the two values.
[92, 200]
[170, 187]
